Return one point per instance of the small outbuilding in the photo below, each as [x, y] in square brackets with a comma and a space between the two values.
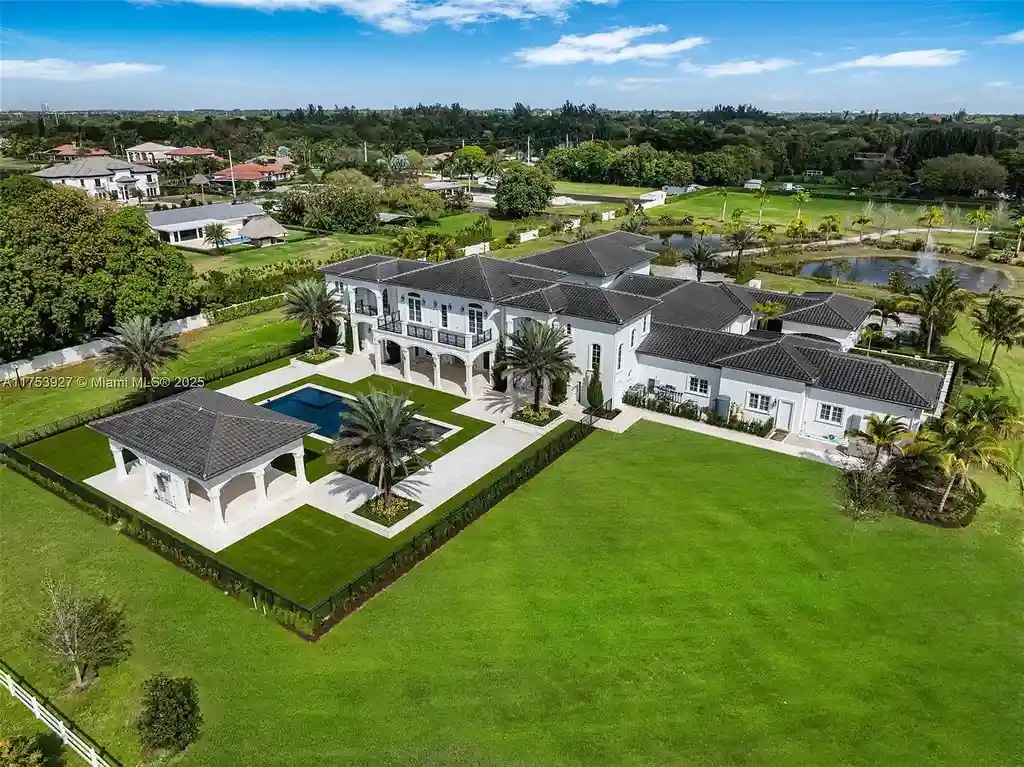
[263, 230]
[203, 454]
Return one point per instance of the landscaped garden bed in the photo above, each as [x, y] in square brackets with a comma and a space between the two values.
[543, 417]
[318, 357]
[607, 413]
[387, 513]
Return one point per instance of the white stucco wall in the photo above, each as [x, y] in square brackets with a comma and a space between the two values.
[676, 373]
[855, 412]
[736, 384]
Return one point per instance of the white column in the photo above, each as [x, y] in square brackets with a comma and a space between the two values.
[300, 466]
[183, 503]
[147, 477]
[405, 364]
[378, 358]
[260, 475]
[469, 379]
[122, 472]
[350, 299]
[219, 517]
[437, 370]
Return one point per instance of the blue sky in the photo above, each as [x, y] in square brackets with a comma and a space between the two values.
[910, 55]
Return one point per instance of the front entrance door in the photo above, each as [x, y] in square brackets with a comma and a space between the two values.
[784, 421]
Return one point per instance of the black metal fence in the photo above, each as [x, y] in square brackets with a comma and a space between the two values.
[308, 622]
[177, 385]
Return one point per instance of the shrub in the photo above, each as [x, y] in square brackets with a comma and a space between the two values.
[866, 493]
[500, 381]
[747, 272]
[318, 357]
[349, 342]
[512, 237]
[595, 391]
[170, 717]
[478, 231]
[542, 418]
[21, 752]
[260, 305]
[916, 245]
[559, 391]
[667, 257]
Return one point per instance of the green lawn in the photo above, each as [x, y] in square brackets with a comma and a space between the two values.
[610, 190]
[205, 350]
[313, 248]
[640, 613]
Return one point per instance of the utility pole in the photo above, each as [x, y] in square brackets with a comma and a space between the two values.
[567, 141]
[528, 154]
[364, 154]
[463, 143]
[231, 170]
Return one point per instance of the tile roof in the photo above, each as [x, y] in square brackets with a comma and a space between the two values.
[778, 359]
[202, 432]
[588, 302]
[480, 277]
[90, 167]
[600, 256]
[339, 268]
[824, 309]
[700, 305]
[383, 270]
[150, 146]
[696, 345]
[71, 150]
[646, 284]
[254, 171]
[189, 151]
[200, 215]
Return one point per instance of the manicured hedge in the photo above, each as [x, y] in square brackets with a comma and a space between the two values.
[247, 309]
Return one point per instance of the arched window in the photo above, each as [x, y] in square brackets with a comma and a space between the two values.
[476, 318]
[384, 301]
[595, 356]
[632, 338]
[415, 307]
[618, 359]
[646, 317]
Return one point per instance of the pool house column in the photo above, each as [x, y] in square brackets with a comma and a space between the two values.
[299, 454]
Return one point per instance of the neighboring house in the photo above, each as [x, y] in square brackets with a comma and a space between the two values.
[71, 152]
[149, 152]
[105, 177]
[870, 158]
[189, 153]
[262, 231]
[753, 183]
[696, 340]
[259, 169]
[188, 225]
[443, 188]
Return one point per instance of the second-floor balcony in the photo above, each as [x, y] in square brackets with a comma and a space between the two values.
[393, 324]
[365, 309]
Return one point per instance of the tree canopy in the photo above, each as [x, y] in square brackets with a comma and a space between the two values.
[523, 191]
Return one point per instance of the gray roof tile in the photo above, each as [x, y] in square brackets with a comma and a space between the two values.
[646, 284]
[696, 345]
[480, 277]
[349, 265]
[202, 432]
[90, 167]
[600, 256]
[699, 305]
[219, 211]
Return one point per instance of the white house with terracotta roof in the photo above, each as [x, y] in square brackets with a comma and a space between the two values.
[259, 169]
[106, 177]
[71, 152]
[675, 338]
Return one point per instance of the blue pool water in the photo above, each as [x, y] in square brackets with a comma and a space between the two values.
[326, 410]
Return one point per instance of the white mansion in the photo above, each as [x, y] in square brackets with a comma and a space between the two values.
[698, 340]
[106, 177]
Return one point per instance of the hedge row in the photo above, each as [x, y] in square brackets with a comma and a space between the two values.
[247, 309]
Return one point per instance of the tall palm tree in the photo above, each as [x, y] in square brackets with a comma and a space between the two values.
[140, 344]
[724, 194]
[888, 311]
[763, 197]
[741, 238]
[939, 301]
[216, 235]
[538, 352]
[313, 305]
[409, 243]
[1007, 330]
[988, 318]
[869, 335]
[860, 221]
[381, 432]
[883, 433]
[979, 218]
[700, 256]
[960, 447]
[317, 217]
[766, 234]
[997, 411]
[829, 225]
[884, 216]
[931, 218]
[802, 197]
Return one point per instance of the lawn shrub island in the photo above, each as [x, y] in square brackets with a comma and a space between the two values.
[318, 357]
[387, 510]
[541, 417]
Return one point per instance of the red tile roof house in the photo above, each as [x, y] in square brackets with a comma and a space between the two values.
[70, 152]
[275, 169]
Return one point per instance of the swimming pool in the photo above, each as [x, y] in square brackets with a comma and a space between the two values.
[327, 411]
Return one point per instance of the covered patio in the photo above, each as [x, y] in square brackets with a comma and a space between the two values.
[203, 455]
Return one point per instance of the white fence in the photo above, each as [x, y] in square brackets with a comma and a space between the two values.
[608, 215]
[74, 354]
[529, 234]
[45, 712]
[477, 250]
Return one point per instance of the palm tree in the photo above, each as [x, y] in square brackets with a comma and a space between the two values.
[637, 223]
[313, 305]
[860, 221]
[979, 218]
[883, 433]
[140, 344]
[932, 217]
[741, 239]
[870, 335]
[438, 247]
[491, 166]
[382, 432]
[884, 216]
[768, 311]
[410, 244]
[1007, 330]
[997, 411]
[988, 318]
[797, 229]
[317, 217]
[1019, 223]
[887, 310]
[703, 231]
[766, 234]
[960, 447]
[939, 301]
[724, 194]
[216, 235]
[802, 197]
[700, 256]
[538, 352]
[763, 197]
[829, 225]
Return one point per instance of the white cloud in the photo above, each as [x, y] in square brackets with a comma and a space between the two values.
[1014, 38]
[734, 68]
[998, 84]
[71, 71]
[403, 16]
[935, 57]
[623, 83]
[607, 47]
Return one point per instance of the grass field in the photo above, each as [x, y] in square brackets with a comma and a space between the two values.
[571, 187]
[315, 248]
[205, 350]
[779, 209]
[627, 616]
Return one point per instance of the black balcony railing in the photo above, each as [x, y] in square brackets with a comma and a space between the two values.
[451, 339]
[363, 308]
[392, 323]
[419, 331]
[481, 338]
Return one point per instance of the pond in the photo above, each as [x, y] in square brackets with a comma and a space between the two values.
[916, 269]
[684, 241]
